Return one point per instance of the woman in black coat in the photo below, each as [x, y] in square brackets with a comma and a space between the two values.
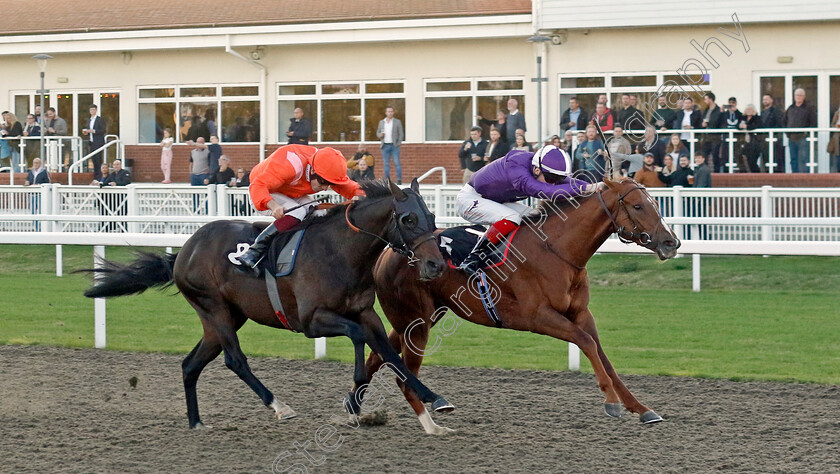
[750, 148]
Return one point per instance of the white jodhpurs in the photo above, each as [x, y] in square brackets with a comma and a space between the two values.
[288, 203]
[480, 210]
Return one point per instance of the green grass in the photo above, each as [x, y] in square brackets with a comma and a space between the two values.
[757, 318]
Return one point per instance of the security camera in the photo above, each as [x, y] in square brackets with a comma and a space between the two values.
[256, 55]
[558, 39]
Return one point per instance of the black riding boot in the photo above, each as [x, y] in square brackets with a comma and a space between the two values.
[474, 260]
[255, 253]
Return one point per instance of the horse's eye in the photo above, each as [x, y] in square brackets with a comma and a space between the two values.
[637, 207]
[409, 220]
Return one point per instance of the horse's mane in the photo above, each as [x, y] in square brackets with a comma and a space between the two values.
[374, 190]
[564, 204]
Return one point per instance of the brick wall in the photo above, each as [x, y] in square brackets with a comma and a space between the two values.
[416, 159]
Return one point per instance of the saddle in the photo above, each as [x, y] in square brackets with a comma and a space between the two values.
[281, 254]
[457, 242]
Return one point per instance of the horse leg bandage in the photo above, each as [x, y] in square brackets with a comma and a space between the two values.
[500, 229]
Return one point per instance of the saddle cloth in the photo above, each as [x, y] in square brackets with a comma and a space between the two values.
[281, 255]
[457, 242]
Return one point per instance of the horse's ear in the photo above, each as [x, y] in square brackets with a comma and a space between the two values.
[610, 183]
[397, 192]
[415, 185]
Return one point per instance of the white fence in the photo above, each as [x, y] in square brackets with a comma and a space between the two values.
[696, 213]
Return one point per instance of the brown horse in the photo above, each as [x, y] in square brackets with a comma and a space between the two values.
[544, 289]
[330, 292]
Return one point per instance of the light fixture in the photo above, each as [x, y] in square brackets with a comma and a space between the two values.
[538, 39]
[42, 61]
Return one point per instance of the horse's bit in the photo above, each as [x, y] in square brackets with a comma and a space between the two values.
[623, 234]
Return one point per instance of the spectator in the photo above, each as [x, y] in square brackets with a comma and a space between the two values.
[554, 141]
[38, 174]
[590, 155]
[210, 120]
[702, 172]
[166, 155]
[668, 165]
[361, 154]
[522, 145]
[499, 124]
[619, 143]
[750, 150]
[391, 134]
[648, 176]
[515, 120]
[242, 178]
[676, 148]
[496, 148]
[712, 119]
[567, 141]
[799, 115]
[652, 144]
[362, 172]
[574, 118]
[95, 132]
[603, 117]
[13, 130]
[56, 126]
[627, 111]
[37, 114]
[224, 175]
[687, 118]
[602, 99]
[663, 117]
[680, 176]
[215, 153]
[200, 172]
[834, 142]
[104, 171]
[196, 127]
[118, 177]
[771, 117]
[33, 147]
[731, 119]
[472, 154]
[300, 129]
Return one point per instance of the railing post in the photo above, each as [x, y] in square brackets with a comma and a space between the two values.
[59, 263]
[45, 208]
[55, 208]
[222, 197]
[812, 163]
[98, 303]
[678, 211]
[695, 272]
[133, 207]
[731, 139]
[439, 205]
[692, 139]
[211, 200]
[766, 211]
[320, 347]
[574, 357]
[771, 152]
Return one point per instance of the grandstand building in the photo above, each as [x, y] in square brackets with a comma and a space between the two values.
[245, 67]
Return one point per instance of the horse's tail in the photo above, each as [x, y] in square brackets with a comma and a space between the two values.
[149, 270]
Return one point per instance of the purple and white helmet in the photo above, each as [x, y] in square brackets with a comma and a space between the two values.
[551, 159]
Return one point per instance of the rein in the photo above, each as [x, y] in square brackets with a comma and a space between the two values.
[401, 248]
[625, 236]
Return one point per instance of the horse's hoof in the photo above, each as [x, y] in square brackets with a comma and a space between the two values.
[440, 405]
[353, 408]
[650, 416]
[441, 430]
[614, 410]
[286, 415]
[200, 426]
[282, 411]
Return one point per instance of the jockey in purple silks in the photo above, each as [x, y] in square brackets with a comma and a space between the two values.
[491, 197]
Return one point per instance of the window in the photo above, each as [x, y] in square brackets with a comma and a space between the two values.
[74, 107]
[645, 87]
[340, 111]
[452, 105]
[231, 112]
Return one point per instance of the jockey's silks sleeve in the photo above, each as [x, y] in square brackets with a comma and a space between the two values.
[348, 190]
[270, 176]
[529, 185]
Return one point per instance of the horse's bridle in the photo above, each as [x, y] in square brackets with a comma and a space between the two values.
[623, 234]
[400, 247]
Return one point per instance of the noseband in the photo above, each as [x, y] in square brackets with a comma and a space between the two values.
[401, 247]
[623, 234]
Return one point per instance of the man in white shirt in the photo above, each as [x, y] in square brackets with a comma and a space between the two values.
[95, 132]
[515, 121]
[391, 136]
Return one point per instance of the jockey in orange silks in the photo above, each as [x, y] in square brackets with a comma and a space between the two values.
[286, 179]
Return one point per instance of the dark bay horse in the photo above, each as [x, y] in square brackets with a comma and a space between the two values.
[330, 292]
[545, 290]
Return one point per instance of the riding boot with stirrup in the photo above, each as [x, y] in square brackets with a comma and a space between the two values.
[472, 264]
[254, 254]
